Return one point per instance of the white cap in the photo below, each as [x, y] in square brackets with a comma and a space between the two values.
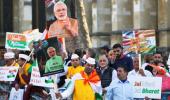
[9, 55]
[90, 60]
[24, 56]
[74, 56]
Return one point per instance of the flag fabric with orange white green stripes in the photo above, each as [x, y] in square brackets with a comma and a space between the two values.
[139, 41]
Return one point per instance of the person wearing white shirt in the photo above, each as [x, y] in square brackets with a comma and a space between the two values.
[120, 89]
[137, 71]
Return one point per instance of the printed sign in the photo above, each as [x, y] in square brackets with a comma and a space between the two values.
[147, 87]
[37, 80]
[48, 55]
[141, 41]
[16, 41]
[8, 73]
[21, 41]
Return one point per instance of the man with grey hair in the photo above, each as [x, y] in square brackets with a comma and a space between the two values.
[55, 62]
[106, 73]
[65, 28]
[137, 70]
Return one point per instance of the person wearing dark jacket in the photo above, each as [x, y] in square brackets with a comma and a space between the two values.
[106, 73]
[120, 58]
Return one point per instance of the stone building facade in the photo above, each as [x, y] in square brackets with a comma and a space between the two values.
[106, 18]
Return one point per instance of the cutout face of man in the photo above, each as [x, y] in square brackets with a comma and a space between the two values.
[60, 11]
[51, 52]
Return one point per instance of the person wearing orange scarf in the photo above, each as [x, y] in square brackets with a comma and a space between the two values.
[157, 67]
[85, 85]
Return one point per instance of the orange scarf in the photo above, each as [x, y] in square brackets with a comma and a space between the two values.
[160, 69]
[93, 77]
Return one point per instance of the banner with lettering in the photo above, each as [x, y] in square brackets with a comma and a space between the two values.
[8, 73]
[22, 41]
[37, 80]
[16, 41]
[140, 41]
[147, 87]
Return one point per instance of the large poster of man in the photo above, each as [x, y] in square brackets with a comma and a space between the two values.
[48, 56]
[64, 28]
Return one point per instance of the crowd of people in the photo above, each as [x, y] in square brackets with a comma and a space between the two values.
[93, 73]
[89, 74]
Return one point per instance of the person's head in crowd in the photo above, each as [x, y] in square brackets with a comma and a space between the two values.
[84, 56]
[104, 49]
[79, 52]
[2, 52]
[136, 63]
[103, 61]
[60, 10]
[9, 58]
[51, 51]
[84, 52]
[2, 60]
[157, 58]
[75, 60]
[90, 65]
[111, 55]
[118, 50]
[90, 53]
[148, 58]
[122, 72]
[22, 59]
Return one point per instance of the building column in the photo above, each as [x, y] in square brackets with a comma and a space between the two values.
[122, 15]
[38, 15]
[18, 15]
[145, 14]
[122, 19]
[88, 12]
[102, 26]
[163, 23]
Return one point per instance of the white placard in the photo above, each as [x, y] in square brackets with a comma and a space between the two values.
[37, 80]
[147, 87]
[8, 73]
